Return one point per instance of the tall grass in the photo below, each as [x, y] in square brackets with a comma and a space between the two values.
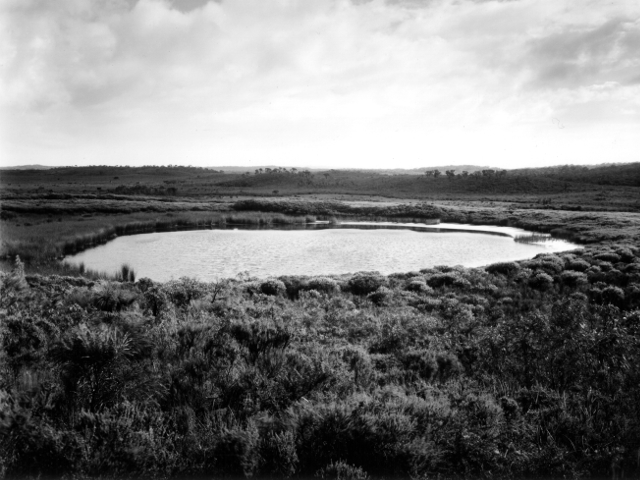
[41, 249]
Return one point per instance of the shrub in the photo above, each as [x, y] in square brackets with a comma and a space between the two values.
[615, 277]
[447, 279]
[578, 265]
[365, 283]
[614, 296]
[573, 278]
[278, 453]
[340, 470]
[626, 254]
[292, 284]
[182, 291]
[503, 268]
[273, 287]
[110, 297]
[236, 451]
[381, 296]
[541, 281]
[322, 284]
[418, 286]
[608, 257]
[155, 299]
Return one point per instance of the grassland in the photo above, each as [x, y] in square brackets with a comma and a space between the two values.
[518, 370]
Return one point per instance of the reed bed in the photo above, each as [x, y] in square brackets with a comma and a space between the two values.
[41, 248]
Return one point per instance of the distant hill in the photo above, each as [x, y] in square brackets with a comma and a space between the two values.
[624, 174]
[26, 167]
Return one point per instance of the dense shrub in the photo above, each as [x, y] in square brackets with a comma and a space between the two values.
[504, 268]
[573, 278]
[182, 291]
[418, 286]
[110, 297]
[381, 296]
[273, 287]
[222, 380]
[322, 284]
[578, 265]
[340, 470]
[447, 280]
[608, 257]
[541, 281]
[365, 283]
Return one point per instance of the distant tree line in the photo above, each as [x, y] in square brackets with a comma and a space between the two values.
[479, 173]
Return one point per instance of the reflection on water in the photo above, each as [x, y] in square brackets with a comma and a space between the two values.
[315, 250]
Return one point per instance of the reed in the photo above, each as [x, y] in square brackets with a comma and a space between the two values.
[40, 249]
[534, 238]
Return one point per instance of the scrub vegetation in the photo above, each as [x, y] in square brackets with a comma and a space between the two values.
[518, 369]
[524, 369]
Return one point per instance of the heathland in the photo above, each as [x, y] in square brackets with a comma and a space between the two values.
[517, 369]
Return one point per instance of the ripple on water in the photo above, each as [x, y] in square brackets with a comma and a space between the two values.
[211, 254]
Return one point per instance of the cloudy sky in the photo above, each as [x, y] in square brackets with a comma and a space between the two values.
[335, 83]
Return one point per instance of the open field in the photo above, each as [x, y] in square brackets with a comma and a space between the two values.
[524, 369]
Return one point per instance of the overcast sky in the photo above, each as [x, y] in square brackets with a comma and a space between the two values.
[375, 84]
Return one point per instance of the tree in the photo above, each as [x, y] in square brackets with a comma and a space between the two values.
[437, 173]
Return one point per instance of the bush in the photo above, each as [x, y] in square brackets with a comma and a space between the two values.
[110, 297]
[578, 265]
[418, 286]
[273, 287]
[278, 453]
[608, 257]
[182, 291]
[322, 284]
[573, 278]
[381, 296]
[503, 268]
[447, 279]
[541, 281]
[293, 284]
[340, 470]
[614, 296]
[365, 283]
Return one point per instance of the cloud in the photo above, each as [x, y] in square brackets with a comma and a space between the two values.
[248, 79]
[587, 55]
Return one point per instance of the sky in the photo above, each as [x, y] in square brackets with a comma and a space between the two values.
[319, 83]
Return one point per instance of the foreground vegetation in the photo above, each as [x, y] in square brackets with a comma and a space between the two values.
[519, 369]
[527, 369]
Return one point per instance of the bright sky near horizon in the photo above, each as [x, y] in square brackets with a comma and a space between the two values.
[319, 83]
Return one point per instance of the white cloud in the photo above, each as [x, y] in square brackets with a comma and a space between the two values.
[323, 82]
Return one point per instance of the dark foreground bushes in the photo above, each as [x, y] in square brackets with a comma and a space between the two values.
[517, 370]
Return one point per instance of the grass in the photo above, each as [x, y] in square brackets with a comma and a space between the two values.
[40, 240]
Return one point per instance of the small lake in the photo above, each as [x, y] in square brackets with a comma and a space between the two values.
[315, 249]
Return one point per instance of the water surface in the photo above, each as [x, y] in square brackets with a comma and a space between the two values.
[314, 250]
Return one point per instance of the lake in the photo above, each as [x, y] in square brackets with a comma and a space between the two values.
[317, 249]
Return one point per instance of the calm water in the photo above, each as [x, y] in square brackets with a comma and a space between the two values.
[356, 246]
